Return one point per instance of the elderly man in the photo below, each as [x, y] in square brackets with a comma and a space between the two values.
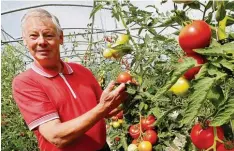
[61, 102]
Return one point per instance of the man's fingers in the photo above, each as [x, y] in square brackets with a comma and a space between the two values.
[120, 88]
[110, 86]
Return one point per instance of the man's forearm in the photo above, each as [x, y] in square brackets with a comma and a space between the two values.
[67, 132]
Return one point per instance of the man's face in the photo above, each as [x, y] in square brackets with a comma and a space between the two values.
[42, 40]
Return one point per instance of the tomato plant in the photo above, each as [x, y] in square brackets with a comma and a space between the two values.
[146, 122]
[134, 131]
[124, 77]
[153, 61]
[145, 146]
[151, 136]
[195, 35]
[203, 138]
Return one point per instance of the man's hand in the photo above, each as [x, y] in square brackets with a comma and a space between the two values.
[111, 98]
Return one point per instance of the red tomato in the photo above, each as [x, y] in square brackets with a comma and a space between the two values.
[190, 73]
[117, 139]
[151, 136]
[195, 35]
[124, 77]
[204, 138]
[146, 122]
[134, 131]
[227, 146]
[120, 115]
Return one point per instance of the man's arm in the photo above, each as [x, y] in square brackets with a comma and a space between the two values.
[62, 134]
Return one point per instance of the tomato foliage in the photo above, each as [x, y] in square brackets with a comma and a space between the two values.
[152, 59]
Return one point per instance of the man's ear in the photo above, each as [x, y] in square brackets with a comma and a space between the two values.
[61, 37]
[25, 44]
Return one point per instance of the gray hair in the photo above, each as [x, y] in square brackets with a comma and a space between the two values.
[39, 12]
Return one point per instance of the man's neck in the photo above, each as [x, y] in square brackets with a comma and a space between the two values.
[58, 66]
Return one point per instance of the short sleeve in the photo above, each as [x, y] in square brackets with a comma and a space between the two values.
[33, 103]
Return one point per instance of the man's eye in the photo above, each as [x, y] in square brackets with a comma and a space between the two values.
[32, 35]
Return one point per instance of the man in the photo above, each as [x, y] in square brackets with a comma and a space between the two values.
[61, 102]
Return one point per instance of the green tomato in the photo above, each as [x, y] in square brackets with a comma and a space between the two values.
[132, 147]
[107, 53]
[122, 39]
[181, 87]
[116, 124]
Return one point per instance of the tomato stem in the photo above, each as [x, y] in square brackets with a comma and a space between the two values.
[140, 127]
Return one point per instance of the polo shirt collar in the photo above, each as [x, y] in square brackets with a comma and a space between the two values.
[50, 73]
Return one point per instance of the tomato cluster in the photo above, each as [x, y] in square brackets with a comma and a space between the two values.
[204, 137]
[193, 36]
[115, 53]
[117, 120]
[144, 131]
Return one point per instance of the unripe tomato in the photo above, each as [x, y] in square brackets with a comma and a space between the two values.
[124, 77]
[134, 131]
[146, 122]
[195, 35]
[204, 138]
[145, 146]
[116, 124]
[122, 39]
[190, 73]
[116, 53]
[132, 147]
[180, 87]
[107, 53]
[120, 121]
[151, 136]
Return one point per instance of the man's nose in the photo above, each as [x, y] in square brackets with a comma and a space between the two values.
[42, 41]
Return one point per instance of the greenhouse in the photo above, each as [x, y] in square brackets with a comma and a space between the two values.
[155, 75]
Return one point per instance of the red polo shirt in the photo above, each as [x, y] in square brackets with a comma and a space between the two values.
[44, 95]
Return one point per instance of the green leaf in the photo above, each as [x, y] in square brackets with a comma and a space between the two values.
[221, 12]
[161, 118]
[215, 95]
[224, 114]
[126, 48]
[194, 5]
[222, 50]
[226, 64]
[180, 69]
[141, 106]
[209, 4]
[95, 9]
[202, 72]
[201, 89]
[230, 5]
[156, 111]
